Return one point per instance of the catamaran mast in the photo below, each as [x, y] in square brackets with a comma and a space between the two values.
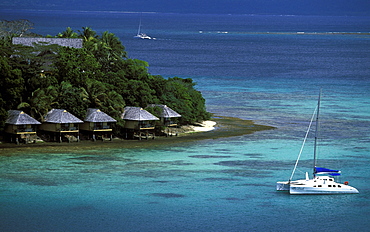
[138, 30]
[316, 133]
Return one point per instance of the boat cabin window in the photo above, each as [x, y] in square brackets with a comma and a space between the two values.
[319, 185]
[339, 186]
[330, 179]
[329, 185]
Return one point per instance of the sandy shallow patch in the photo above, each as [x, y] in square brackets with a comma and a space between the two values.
[204, 126]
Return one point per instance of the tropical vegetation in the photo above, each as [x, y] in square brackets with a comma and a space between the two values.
[100, 75]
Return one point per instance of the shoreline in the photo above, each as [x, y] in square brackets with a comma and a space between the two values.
[200, 127]
[218, 127]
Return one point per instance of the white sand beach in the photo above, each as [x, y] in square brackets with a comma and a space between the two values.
[203, 126]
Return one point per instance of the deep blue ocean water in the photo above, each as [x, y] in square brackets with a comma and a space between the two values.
[265, 68]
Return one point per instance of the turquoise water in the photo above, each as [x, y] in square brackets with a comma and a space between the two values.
[219, 184]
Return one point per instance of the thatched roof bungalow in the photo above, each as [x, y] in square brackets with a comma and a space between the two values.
[138, 118]
[96, 116]
[20, 118]
[20, 125]
[166, 114]
[98, 123]
[62, 123]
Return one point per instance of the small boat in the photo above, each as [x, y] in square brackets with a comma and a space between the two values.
[323, 181]
[141, 35]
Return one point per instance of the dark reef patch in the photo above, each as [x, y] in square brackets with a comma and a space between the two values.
[233, 199]
[100, 158]
[161, 181]
[223, 150]
[209, 156]
[256, 164]
[254, 155]
[219, 179]
[167, 195]
[32, 180]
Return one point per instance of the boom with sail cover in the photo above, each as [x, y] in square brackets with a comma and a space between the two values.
[327, 171]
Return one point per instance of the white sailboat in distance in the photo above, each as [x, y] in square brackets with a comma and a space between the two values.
[323, 181]
[141, 35]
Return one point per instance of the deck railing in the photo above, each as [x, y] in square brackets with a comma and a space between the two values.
[22, 129]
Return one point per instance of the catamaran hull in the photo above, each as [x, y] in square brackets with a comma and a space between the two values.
[282, 186]
[319, 185]
[321, 191]
[285, 185]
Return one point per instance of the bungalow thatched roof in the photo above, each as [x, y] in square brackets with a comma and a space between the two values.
[137, 114]
[61, 116]
[65, 42]
[95, 115]
[18, 117]
[166, 112]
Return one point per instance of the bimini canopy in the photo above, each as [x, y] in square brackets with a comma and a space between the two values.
[327, 171]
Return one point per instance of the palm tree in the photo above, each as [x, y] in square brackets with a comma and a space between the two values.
[68, 33]
[41, 102]
[114, 103]
[114, 45]
[88, 34]
[90, 39]
[102, 97]
[96, 92]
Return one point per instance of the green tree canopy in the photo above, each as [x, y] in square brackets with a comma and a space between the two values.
[99, 75]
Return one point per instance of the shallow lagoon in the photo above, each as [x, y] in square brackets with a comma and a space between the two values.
[210, 185]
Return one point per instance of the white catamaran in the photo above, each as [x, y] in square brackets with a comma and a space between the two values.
[319, 184]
